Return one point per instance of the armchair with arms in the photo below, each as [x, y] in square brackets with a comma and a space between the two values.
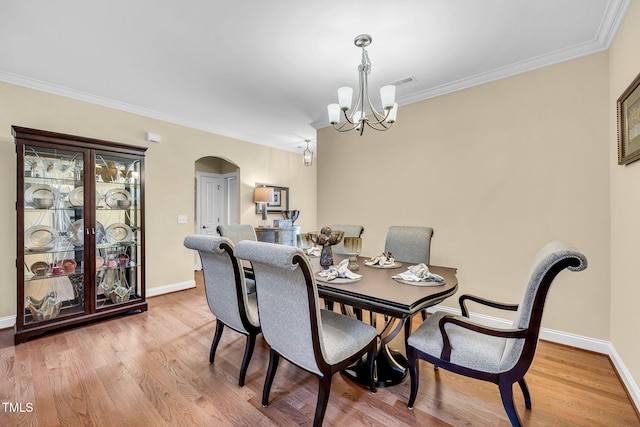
[500, 356]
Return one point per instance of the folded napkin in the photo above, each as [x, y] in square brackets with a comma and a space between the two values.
[314, 251]
[339, 271]
[384, 260]
[419, 273]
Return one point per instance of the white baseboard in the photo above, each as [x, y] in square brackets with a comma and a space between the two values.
[572, 340]
[167, 289]
[7, 322]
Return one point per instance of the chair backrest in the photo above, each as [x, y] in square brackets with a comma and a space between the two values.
[349, 231]
[287, 301]
[409, 244]
[550, 260]
[224, 281]
[237, 232]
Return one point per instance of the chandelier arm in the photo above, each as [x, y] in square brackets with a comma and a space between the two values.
[383, 126]
[339, 128]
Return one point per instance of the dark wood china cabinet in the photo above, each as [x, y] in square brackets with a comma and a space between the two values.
[80, 230]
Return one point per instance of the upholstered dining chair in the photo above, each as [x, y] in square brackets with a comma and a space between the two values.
[412, 245]
[236, 233]
[319, 341]
[349, 231]
[226, 293]
[500, 356]
[409, 244]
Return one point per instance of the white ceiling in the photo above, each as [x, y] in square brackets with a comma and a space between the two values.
[264, 71]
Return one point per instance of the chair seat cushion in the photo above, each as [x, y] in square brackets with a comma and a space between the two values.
[481, 352]
[342, 336]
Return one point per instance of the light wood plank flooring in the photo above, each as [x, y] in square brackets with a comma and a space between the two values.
[152, 369]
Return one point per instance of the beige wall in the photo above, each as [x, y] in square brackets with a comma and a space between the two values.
[169, 176]
[625, 205]
[498, 170]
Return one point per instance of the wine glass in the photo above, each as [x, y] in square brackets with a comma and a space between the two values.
[353, 247]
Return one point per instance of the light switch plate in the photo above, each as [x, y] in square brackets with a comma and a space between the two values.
[182, 219]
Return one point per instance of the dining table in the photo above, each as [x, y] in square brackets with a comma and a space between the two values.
[378, 292]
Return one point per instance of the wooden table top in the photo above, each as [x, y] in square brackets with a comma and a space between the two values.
[378, 292]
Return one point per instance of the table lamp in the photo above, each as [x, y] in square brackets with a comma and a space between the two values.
[263, 195]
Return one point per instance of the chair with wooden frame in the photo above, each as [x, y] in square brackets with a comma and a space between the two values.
[226, 292]
[319, 341]
[500, 356]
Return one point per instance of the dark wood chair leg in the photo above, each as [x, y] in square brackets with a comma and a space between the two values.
[328, 305]
[424, 314]
[407, 329]
[506, 393]
[414, 373]
[525, 392]
[274, 358]
[371, 361]
[248, 351]
[216, 340]
[323, 398]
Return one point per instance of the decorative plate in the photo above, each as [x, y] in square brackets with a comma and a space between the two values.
[42, 191]
[424, 283]
[39, 265]
[337, 280]
[395, 264]
[40, 237]
[76, 233]
[119, 232]
[112, 197]
[76, 197]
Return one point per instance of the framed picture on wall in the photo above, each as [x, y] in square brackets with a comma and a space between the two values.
[628, 108]
[280, 199]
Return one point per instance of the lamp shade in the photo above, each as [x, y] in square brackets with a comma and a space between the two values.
[344, 97]
[334, 113]
[263, 195]
[388, 96]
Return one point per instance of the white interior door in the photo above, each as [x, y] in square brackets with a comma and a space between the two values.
[216, 203]
[211, 203]
[232, 199]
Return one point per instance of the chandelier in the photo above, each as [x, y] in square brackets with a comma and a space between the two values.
[356, 118]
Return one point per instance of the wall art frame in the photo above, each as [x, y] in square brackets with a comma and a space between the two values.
[628, 112]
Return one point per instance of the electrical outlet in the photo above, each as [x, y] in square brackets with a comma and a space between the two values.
[182, 219]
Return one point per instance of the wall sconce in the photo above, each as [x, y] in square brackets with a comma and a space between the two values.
[263, 195]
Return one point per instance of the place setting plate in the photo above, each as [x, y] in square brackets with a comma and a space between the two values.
[423, 283]
[337, 280]
[395, 264]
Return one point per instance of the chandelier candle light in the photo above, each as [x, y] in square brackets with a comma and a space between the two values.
[357, 118]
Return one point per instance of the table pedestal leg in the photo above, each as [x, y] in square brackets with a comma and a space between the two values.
[390, 368]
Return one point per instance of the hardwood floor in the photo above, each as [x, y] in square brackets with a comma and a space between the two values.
[153, 369]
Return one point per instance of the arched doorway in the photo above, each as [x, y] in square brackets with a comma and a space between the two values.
[216, 194]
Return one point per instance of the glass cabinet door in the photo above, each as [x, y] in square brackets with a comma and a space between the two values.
[118, 230]
[53, 262]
